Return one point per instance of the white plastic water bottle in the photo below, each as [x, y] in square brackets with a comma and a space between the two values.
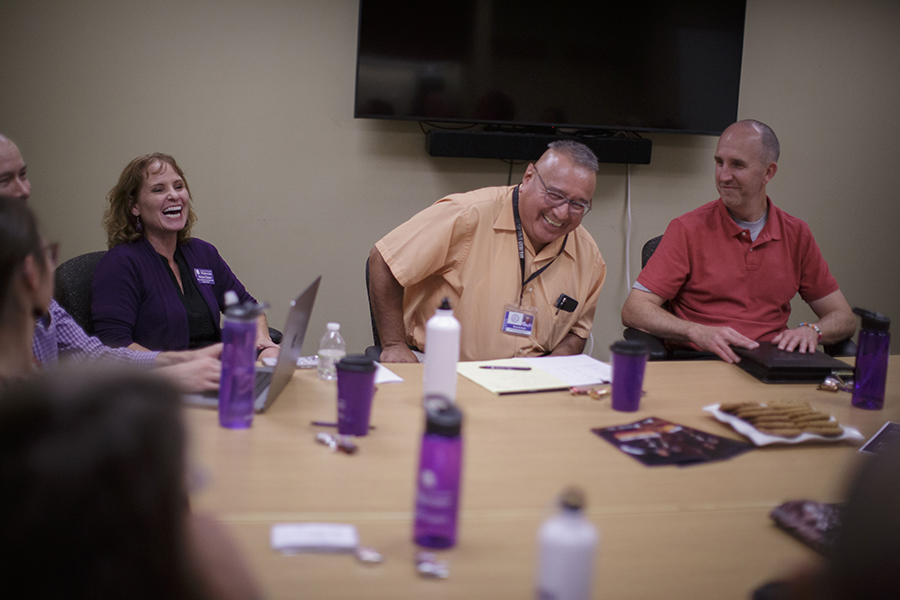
[567, 546]
[441, 353]
[331, 349]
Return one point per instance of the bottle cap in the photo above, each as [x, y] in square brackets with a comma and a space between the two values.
[231, 298]
[629, 348]
[873, 321]
[333, 327]
[356, 363]
[246, 311]
[445, 304]
[572, 498]
[442, 417]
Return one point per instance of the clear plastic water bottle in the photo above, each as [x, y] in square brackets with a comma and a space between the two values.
[331, 349]
[567, 547]
[441, 353]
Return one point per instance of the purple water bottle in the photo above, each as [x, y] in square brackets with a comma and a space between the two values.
[238, 359]
[440, 470]
[872, 351]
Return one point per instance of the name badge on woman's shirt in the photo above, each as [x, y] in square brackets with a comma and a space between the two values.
[205, 276]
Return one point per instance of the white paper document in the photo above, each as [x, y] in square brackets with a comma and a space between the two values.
[539, 374]
[578, 369]
[382, 374]
[385, 375]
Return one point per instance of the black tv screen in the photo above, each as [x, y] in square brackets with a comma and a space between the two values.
[638, 65]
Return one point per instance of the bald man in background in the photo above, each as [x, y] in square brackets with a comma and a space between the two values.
[730, 268]
[13, 172]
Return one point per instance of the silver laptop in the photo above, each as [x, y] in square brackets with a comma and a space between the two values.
[271, 381]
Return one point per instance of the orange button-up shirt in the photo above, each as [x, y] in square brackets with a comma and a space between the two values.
[464, 248]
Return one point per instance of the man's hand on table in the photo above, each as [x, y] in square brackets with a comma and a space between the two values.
[805, 339]
[720, 340]
[399, 353]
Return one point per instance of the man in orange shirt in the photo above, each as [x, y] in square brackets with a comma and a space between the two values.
[521, 273]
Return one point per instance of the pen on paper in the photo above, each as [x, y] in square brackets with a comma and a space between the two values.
[506, 368]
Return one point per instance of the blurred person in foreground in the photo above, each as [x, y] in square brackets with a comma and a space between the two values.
[26, 286]
[158, 288]
[57, 337]
[93, 499]
[865, 559]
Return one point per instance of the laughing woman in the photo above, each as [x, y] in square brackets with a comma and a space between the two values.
[157, 288]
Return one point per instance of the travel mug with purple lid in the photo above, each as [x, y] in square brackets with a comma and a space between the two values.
[355, 389]
[628, 357]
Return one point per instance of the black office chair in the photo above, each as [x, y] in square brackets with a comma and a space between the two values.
[648, 249]
[659, 351]
[74, 279]
[73, 287]
[373, 351]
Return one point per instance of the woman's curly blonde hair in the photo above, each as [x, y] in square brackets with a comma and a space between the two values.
[118, 221]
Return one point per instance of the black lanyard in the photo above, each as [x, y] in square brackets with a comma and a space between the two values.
[521, 242]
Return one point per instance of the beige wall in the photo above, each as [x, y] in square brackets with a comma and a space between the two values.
[254, 99]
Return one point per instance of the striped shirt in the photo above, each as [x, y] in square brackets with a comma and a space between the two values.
[58, 337]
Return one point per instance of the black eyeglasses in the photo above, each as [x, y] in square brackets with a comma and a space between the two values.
[51, 251]
[554, 198]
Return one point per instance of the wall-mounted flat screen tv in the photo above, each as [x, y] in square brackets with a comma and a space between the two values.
[636, 65]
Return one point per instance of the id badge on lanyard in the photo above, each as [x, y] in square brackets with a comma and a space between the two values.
[517, 319]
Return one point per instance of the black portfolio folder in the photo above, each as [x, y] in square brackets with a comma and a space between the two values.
[771, 365]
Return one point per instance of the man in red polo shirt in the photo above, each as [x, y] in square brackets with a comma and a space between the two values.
[730, 268]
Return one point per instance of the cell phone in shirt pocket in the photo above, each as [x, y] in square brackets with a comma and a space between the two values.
[565, 303]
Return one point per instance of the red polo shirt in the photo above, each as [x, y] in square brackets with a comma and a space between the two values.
[711, 273]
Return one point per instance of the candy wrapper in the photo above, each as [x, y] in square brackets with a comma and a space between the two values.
[816, 524]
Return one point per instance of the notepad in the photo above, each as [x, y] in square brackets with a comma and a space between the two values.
[547, 373]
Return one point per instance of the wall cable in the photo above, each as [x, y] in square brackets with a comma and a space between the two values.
[628, 230]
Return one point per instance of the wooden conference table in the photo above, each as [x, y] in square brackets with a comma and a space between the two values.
[666, 532]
